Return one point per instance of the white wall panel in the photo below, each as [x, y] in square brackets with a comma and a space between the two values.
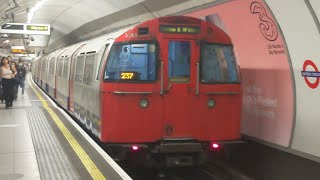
[316, 7]
[303, 41]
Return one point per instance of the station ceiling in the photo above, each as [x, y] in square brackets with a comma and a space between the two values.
[64, 15]
[73, 18]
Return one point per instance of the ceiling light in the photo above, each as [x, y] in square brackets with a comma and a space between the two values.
[34, 9]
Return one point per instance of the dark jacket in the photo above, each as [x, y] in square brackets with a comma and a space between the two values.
[21, 70]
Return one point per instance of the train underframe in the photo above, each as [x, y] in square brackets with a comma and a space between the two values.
[162, 154]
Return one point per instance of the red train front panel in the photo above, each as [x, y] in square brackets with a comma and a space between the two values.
[171, 78]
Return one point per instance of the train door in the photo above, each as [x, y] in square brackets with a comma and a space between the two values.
[71, 78]
[179, 88]
[199, 94]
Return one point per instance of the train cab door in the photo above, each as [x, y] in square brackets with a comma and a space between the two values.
[179, 73]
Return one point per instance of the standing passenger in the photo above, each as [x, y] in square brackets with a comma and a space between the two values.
[16, 80]
[1, 89]
[10, 59]
[7, 82]
[22, 71]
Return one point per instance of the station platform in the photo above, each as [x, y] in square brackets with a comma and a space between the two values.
[40, 141]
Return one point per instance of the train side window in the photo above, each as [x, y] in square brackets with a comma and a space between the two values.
[43, 65]
[60, 67]
[101, 61]
[46, 65]
[218, 64]
[179, 61]
[79, 69]
[40, 65]
[51, 67]
[66, 67]
[89, 70]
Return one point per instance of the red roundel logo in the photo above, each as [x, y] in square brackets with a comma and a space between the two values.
[311, 74]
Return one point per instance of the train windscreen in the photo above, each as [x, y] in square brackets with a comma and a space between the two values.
[131, 62]
[218, 64]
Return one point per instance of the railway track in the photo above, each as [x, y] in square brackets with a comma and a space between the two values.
[210, 171]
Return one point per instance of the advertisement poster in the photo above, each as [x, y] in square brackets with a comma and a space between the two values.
[265, 67]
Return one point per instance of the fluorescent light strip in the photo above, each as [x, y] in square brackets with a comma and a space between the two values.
[34, 9]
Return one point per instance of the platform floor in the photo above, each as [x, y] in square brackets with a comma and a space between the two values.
[39, 142]
[17, 154]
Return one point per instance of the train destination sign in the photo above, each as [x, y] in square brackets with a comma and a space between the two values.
[23, 28]
[180, 29]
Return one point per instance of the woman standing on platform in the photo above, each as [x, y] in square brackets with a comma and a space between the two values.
[16, 79]
[7, 82]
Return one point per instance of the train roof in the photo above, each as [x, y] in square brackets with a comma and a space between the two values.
[71, 49]
[57, 52]
[94, 45]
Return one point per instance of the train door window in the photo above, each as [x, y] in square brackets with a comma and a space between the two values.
[88, 70]
[218, 64]
[47, 66]
[73, 63]
[39, 70]
[179, 61]
[101, 61]
[60, 66]
[79, 69]
[131, 62]
[51, 67]
[43, 65]
[66, 67]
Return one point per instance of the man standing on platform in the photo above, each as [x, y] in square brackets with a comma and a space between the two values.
[21, 73]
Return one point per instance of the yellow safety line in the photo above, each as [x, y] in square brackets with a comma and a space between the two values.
[83, 156]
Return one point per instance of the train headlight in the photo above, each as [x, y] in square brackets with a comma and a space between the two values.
[144, 103]
[211, 103]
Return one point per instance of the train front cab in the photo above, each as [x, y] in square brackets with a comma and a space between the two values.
[173, 96]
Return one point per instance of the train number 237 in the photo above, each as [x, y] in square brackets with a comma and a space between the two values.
[127, 75]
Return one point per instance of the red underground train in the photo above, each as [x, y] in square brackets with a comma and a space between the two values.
[168, 89]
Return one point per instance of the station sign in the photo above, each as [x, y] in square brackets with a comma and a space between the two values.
[18, 50]
[23, 28]
[311, 74]
[37, 28]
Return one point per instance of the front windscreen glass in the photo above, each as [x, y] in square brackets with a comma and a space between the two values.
[131, 62]
[218, 64]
